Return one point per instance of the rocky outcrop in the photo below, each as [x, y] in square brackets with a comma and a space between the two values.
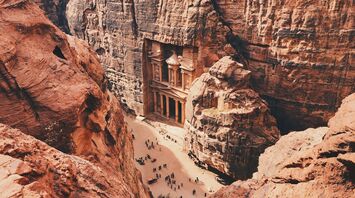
[228, 124]
[313, 163]
[31, 168]
[52, 87]
[300, 52]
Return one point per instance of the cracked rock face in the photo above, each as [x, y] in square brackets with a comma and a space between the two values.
[312, 163]
[299, 51]
[228, 124]
[52, 87]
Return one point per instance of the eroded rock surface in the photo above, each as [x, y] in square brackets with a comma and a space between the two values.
[301, 55]
[228, 124]
[31, 168]
[300, 52]
[313, 163]
[52, 87]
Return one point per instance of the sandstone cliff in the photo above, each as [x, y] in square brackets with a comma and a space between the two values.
[228, 124]
[52, 87]
[313, 163]
[300, 52]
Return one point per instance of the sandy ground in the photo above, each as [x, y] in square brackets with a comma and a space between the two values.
[170, 153]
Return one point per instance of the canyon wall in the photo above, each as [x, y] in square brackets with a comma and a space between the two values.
[300, 52]
[227, 124]
[301, 55]
[53, 88]
[313, 163]
[55, 10]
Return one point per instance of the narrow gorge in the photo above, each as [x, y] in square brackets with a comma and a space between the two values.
[177, 98]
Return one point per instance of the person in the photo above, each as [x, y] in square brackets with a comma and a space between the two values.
[193, 192]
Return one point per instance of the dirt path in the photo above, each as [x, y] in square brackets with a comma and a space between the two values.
[169, 153]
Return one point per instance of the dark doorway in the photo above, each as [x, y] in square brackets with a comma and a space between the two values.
[158, 105]
[172, 109]
[165, 72]
[164, 105]
[179, 78]
[180, 112]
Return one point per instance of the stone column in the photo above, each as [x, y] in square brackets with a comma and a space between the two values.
[175, 77]
[182, 79]
[155, 102]
[161, 105]
[176, 110]
[172, 76]
[183, 112]
[167, 106]
[160, 73]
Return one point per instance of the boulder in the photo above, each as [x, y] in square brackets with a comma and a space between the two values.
[228, 125]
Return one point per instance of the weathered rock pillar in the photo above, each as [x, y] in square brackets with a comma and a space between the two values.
[234, 132]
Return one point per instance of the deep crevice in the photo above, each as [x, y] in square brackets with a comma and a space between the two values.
[110, 141]
[239, 45]
[134, 20]
[58, 52]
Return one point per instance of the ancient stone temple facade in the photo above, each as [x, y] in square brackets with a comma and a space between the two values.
[168, 71]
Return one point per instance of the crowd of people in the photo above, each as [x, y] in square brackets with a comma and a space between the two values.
[159, 170]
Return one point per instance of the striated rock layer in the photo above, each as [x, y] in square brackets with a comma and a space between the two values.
[313, 163]
[228, 124]
[300, 52]
[52, 87]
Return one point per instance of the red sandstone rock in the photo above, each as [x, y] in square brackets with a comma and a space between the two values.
[228, 124]
[313, 163]
[31, 168]
[52, 87]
